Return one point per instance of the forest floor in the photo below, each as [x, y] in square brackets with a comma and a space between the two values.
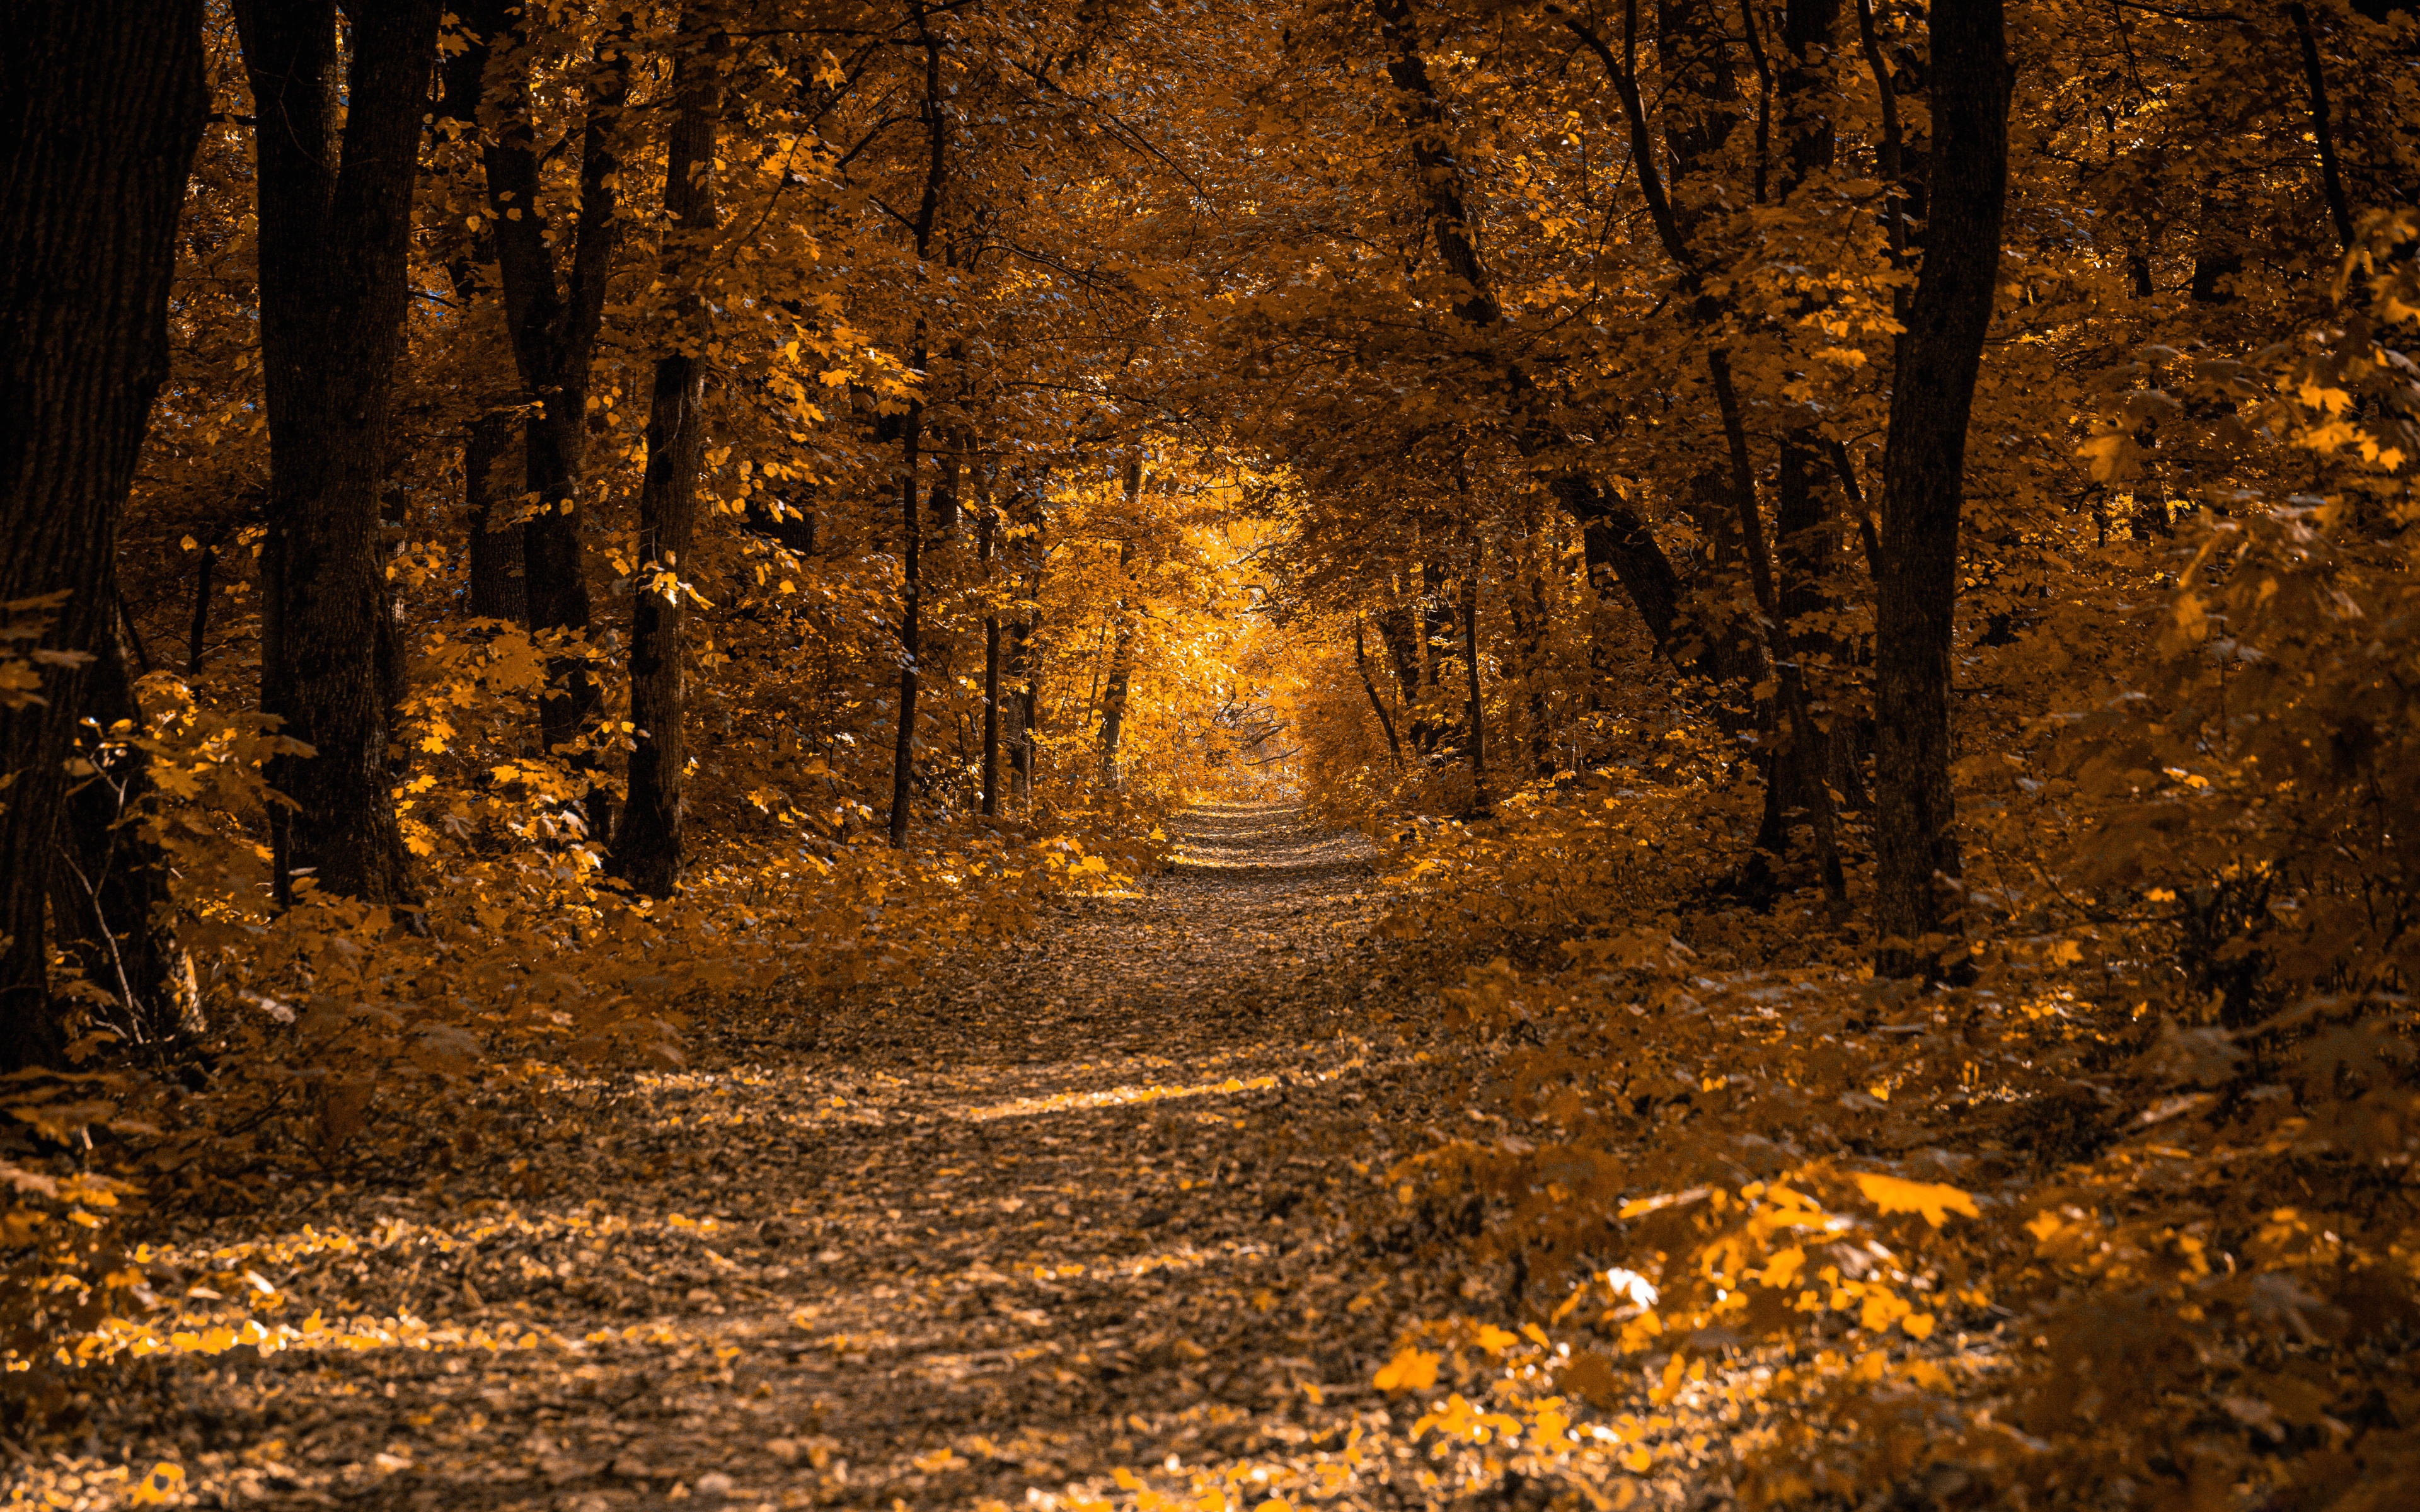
[1077, 1216]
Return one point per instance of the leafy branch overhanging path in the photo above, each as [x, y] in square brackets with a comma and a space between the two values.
[1079, 1210]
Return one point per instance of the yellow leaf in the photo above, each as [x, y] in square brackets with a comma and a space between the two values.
[1410, 1370]
[1893, 1195]
[164, 1481]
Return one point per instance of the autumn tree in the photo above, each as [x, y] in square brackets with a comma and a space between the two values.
[555, 248]
[1924, 480]
[646, 846]
[338, 146]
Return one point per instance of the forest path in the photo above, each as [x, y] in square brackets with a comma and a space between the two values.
[1075, 1207]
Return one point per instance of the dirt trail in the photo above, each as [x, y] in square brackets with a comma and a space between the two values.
[1073, 1208]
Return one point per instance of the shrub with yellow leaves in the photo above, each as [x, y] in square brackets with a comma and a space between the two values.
[2126, 1216]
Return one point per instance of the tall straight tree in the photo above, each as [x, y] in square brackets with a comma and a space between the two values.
[647, 843]
[554, 313]
[101, 107]
[988, 534]
[1924, 471]
[911, 434]
[338, 148]
[491, 468]
[1121, 678]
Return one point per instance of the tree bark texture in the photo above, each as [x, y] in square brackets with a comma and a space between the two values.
[646, 849]
[336, 232]
[101, 107]
[1915, 838]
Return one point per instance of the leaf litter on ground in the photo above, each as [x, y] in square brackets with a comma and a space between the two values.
[1081, 1222]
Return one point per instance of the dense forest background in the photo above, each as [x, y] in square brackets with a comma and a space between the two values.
[1855, 557]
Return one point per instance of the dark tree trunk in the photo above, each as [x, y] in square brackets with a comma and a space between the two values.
[499, 589]
[1401, 636]
[491, 486]
[554, 321]
[1432, 727]
[1923, 487]
[109, 884]
[1615, 540]
[1440, 172]
[336, 232]
[2314, 82]
[101, 107]
[903, 755]
[984, 546]
[1113, 698]
[1370, 686]
[911, 435]
[647, 851]
[1020, 653]
[1694, 633]
[1476, 715]
[1017, 660]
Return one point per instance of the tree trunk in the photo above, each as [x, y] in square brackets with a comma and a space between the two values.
[1478, 709]
[1370, 686]
[491, 493]
[1022, 651]
[1532, 623]
[1923, 487]
[1433, 732]
[1113, 699]
[1401, 637]
[983, 545]
[911, 434]
[1440, 172]
[1020, 734]
[646, 849]
[101, 107]
[554, 323]
[336, 235]
[499, 586]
